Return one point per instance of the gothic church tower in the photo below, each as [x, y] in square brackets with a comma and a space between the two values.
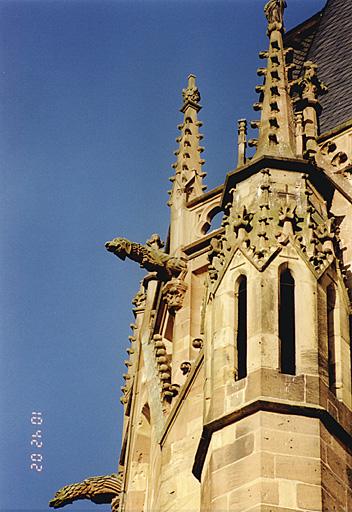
[237, 393]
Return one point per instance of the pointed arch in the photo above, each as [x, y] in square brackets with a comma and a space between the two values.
[241, 327]
[287, 330]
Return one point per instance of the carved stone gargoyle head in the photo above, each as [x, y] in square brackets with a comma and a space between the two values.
[98, 489]
[121, 247]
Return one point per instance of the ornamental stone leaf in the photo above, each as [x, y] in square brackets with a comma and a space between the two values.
[309, 86]
[191, 94]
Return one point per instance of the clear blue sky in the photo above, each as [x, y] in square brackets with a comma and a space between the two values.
[89, 99]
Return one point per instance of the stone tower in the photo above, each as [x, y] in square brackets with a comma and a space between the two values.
[237, 394]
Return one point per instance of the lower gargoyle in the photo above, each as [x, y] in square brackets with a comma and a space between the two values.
[149, 256]
[98, 489]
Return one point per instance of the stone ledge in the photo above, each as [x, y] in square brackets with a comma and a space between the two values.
[313, 411]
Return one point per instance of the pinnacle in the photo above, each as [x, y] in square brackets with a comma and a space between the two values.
[188, 166]
[276, 126]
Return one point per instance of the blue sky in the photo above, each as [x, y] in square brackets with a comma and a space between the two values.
[89, 99]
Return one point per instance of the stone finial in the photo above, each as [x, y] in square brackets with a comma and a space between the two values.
[98, 489]
[187, 181]
[188, 178]
[274, 12]
[276, 128]
[242, 141]
[190, 94]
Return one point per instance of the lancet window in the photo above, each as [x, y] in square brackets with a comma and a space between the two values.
[287, 335]
[241, 327]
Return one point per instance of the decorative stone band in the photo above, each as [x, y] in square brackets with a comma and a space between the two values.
[98, 489]
[149, 256]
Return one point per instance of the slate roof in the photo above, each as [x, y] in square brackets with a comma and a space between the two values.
[326, 39]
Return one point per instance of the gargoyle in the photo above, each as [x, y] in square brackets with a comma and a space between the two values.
[149, 256]
[98, 489]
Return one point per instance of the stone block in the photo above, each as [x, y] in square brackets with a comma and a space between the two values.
[309, 497]
[290, 443]
[248, 424]
[273, 384]
[248, 494]
[312, 389]
[302, 469]
[255, 493]
[287, 493]
[286, 422]
[232, 452]
[329, 504]
[241, 473]
[220, 504]
[333, 485]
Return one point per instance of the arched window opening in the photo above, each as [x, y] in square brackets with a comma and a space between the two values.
[241, 334]
[330, 303]
[287, 333]
[214, 220]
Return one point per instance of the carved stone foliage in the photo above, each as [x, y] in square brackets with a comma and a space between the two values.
[139, 299]
[98, 489]
[173, 294]
[277, 217]
[149, 256]
[191, 93]
[309, 86]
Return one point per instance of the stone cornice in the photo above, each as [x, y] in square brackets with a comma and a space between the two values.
[265, 405]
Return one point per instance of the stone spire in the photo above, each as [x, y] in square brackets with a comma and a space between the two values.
[188, 178]
[276, 126]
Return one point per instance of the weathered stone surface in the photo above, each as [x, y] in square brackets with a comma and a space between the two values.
[302, 469]
[232, 452]
[309, 497]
